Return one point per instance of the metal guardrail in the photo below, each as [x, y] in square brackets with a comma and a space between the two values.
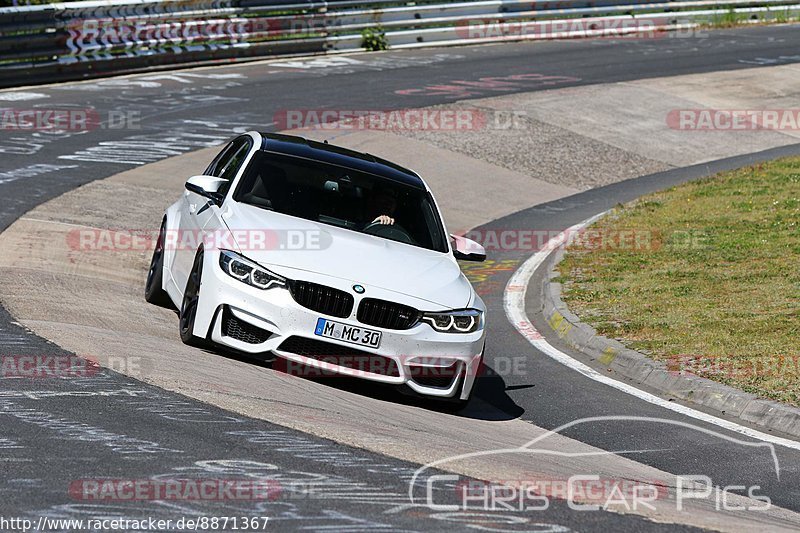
[56, 42]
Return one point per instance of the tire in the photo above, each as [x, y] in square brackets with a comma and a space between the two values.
[191, 301]
[154, 292]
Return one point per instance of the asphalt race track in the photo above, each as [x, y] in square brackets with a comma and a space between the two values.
[55, 432]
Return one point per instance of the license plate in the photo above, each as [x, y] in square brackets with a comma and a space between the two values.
[344, 332]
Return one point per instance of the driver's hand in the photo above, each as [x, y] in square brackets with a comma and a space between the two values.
[384, 219]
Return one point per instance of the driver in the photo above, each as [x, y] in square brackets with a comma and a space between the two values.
[382, 205]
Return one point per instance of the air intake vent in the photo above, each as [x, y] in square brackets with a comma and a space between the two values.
[436, 377]
[340, 356]
[242, 331]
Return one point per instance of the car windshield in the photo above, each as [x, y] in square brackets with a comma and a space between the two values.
[342, 197]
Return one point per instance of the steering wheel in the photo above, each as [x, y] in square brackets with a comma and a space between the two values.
[394, 232]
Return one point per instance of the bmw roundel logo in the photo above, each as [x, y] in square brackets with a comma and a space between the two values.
[359, 289]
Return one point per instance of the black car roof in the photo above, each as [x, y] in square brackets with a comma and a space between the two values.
[336, 155]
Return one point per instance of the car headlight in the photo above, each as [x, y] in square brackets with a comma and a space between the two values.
[464, 321]
[246, 271]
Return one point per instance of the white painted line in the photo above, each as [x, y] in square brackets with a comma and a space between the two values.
[514, 303]
[60, 223]
[20, 96]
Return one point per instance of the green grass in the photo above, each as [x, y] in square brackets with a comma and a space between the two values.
[729, 19]
[718, 294]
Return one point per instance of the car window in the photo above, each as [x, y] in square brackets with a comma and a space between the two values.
[342, 197]
[235, 161]
[219, 162]
[229, 160]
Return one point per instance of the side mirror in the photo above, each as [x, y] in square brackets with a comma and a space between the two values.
[207, 186]
[467, 250]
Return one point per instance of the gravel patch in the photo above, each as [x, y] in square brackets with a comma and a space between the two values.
[538, 149]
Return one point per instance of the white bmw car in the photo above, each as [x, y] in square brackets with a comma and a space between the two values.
[334, 260]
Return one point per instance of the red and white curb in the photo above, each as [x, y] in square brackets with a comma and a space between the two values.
[514, 303]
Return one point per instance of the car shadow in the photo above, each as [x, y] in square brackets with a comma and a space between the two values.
[492, 391]
[490, 400]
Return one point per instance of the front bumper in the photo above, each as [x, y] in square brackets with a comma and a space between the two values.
[433, 364]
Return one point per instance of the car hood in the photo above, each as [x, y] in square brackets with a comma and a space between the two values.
[348, 255]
